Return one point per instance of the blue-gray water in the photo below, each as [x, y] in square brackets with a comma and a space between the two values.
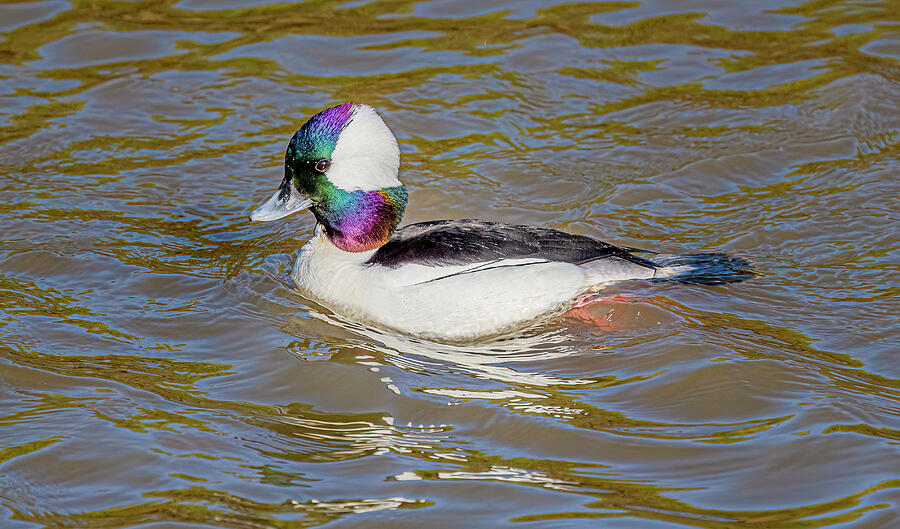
[158, 371]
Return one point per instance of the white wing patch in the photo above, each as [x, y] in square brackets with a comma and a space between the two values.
[414, 274]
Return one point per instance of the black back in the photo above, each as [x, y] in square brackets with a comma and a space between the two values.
[454, 242]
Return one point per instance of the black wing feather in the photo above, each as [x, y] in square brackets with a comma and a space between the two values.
[454, 242]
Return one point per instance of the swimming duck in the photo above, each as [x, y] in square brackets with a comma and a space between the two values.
[445, 280]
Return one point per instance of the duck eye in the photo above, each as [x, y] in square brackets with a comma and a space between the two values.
[322, 165]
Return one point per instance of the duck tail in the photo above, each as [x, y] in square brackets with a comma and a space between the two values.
[701, 268]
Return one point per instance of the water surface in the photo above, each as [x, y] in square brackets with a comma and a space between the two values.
[157, 369]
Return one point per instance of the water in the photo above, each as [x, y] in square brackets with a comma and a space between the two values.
[158, 370]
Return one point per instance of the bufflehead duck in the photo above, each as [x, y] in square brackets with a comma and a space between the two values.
[445, 280]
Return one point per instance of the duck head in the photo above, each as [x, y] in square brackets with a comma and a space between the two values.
[342, 165]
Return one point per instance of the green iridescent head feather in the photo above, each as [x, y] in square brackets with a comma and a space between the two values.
[315, 141]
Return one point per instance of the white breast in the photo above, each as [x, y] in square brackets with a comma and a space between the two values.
[443, 303]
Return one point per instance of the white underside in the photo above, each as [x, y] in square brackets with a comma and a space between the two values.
[448, 303]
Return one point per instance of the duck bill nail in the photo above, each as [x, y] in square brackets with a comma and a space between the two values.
[284, 202]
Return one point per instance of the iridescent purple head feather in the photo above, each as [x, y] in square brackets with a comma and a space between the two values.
[317, 137]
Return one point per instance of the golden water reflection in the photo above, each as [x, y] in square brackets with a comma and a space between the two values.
[156, 366]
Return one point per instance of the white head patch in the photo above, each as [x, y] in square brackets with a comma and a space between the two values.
[366, 156]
